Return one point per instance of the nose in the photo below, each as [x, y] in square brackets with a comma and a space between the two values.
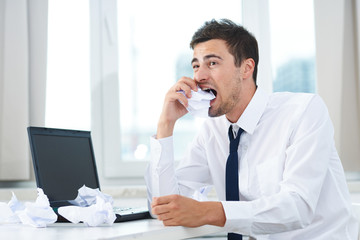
[201, 74]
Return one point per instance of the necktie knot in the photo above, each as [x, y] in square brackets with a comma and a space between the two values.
[234, 141]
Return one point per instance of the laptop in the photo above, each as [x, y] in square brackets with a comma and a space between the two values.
[63, 162]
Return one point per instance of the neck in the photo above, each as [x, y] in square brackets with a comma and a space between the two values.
[238, 110]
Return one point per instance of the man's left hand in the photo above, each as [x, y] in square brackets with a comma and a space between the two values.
[176, 210]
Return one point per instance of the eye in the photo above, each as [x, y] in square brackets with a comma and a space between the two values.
[212, 63]
[195, 66]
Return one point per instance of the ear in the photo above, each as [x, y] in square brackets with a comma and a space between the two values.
[248, 65]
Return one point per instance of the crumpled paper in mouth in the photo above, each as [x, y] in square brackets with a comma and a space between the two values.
[199, 103]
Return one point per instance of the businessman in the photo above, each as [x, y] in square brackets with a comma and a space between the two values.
[270, 157]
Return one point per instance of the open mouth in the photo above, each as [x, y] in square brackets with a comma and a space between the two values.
[210, 90]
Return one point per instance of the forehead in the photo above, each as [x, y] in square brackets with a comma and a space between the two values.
[212, 47]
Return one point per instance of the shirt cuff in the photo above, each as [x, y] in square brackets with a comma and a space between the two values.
[239, 216]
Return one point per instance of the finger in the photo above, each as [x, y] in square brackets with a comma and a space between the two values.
[160, 209]
[186, 84]
[166, 199]
[182, 86]
[177, 96]
[182, 99]
[157, 207]
[191, 82]
[164, 217]
[154, 201]
[171, 222]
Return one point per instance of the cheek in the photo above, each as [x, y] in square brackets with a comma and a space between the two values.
[224, 82]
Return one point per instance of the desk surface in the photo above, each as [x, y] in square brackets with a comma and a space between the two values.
[140, 229]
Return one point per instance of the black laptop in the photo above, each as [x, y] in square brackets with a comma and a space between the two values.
[63, 162]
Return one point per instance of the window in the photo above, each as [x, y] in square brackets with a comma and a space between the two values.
[68, 76]
[154, 53]
[293, 45]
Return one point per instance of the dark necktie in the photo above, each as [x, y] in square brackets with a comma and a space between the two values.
[232, 174]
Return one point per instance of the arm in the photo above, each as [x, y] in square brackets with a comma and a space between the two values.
[192, 180]
[172, 108]
[160, 177]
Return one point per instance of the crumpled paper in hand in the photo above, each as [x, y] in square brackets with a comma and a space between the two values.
[92, 208]
[199, 103]
[36, 214]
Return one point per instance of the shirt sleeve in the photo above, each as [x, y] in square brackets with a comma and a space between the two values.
[160, 176]
[308, 154]
[191, 177]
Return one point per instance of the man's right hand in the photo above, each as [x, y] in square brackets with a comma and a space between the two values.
[172, 108]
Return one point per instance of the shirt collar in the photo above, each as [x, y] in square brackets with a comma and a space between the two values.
[253, 112]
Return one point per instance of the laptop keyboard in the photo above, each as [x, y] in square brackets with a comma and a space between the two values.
[129, 210]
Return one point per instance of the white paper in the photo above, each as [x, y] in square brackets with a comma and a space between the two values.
[99, 213]
[36, 214]
[92, 207]
[39, 213]
[15, 205]
[87, 197]
[5, 213]
[199, 103]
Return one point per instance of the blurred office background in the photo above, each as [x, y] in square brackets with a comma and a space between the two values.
[105, 66]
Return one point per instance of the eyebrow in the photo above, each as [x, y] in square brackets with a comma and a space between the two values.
[207, 57]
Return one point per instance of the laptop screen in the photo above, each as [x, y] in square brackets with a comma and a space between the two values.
[63, 162]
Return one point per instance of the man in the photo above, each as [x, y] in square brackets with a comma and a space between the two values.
[289, 181]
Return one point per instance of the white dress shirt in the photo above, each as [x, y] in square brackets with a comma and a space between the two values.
[291, 181]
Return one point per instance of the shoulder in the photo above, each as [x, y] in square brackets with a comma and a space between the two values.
[296, 103]
[303, 111]
[290, 110]
[279, 99]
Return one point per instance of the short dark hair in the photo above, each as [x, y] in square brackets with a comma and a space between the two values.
[241, 43]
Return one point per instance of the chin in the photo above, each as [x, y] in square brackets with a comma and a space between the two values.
[213, 113]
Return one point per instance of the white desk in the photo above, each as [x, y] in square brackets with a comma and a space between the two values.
[142, 229]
